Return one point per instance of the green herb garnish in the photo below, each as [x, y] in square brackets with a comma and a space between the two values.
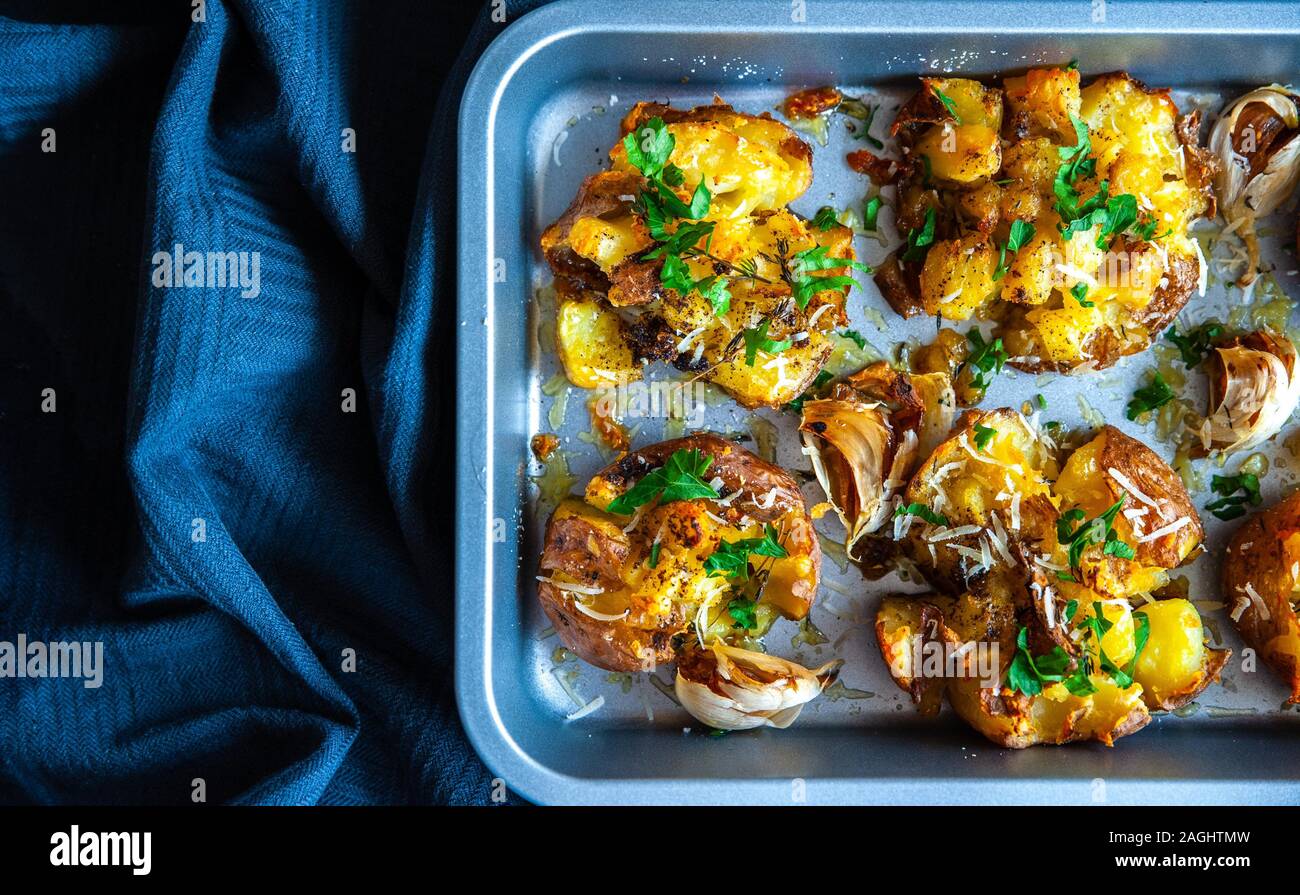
[987, 359]
[948, 104]
[742, 612]
[1080, 293]
[653, 560]
[1150, 397]
[1230, 504]
[681, 478]
[1021, 233]
[1093, 531]
[805, 286]
[917, 240]
[984, 435]
[756, 340]
[731, 559]
[1197, 344]
[825, 218]
[922, 511]
[872, 211]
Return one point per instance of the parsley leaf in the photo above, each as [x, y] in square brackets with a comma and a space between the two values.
[1150, 397]
[681, 478]
[1197, 344]
[917, 240]
[922, 511]
[1028, 675]
[742, 613]
[1094, 531]
[984, 435]
[825, 218]
[1080, 292]
[731, 559]
[756, 340]
[1230, 504]
[1021, 233]
[653, 559]
[806, 286]
[872, 212]
[649, 147]
[988, 359]
[857, 337]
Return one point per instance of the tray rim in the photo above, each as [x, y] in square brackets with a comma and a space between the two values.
[501, 61]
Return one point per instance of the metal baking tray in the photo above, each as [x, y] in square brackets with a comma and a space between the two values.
[539, 113]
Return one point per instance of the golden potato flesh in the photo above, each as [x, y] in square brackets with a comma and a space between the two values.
[620, 586]
[592, 346]
[1103, 273]
[1054, 567]
[732, 314]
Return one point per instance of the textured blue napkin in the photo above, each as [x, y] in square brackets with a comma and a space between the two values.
[239, 490]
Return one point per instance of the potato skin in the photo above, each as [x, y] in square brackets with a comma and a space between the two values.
[1261, 555]
[590, 548]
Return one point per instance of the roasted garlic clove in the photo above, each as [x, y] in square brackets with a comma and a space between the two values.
[729, 688]
[864, 439]
[1257, 140]
[857, 459]
[1253, 391]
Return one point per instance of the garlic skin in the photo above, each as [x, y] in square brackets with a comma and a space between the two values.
[859, 461]
[865, 438]
[729, 688]
[1253, 391]
[1257, 141]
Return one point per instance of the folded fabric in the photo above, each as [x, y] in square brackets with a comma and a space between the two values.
[226, 411]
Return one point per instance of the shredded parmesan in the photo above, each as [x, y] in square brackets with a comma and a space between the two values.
[586, 709]
[588, 589]
[689, 339]
[945, 534]
[1260, 606]
[1127, 485]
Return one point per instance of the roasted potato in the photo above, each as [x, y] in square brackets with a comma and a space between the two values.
[1261, 586]
[738, 304]
[622, 579]
[1045, 577]
[1108, 177]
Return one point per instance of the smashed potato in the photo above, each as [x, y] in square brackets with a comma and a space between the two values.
[694, 259]
[694, 539]
[1044, 627]
[1060, 211]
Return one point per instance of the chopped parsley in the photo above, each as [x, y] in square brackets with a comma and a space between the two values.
[871, 212]
[805, 285]
[756, 340]
[825, 218]
[987, 359]
[742, 612]
[1080, 293]
[856, 337]
[1021, 233]
[731, 559]
[681, 478]
[1093, 531]
[984, 435]
[653, 559]
[917, 240]
[1230, 504]
[1196, 344]
[922, 511]
[1150, 397]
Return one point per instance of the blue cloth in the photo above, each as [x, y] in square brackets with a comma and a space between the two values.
[201, 500]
